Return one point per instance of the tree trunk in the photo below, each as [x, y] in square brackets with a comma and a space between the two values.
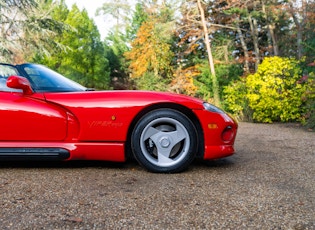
[244, 47]
[271, 34]
[299, 21]
[215, 83]
[273, 39]
[254, 33]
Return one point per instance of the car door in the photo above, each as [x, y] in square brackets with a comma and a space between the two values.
[28, 118]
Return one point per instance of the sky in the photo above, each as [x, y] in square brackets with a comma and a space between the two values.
[91, 6]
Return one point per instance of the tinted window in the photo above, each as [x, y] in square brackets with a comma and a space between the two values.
[47, 80]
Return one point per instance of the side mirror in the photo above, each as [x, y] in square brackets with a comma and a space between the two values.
[17, 82]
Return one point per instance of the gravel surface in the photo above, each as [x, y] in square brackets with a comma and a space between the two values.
[268, 184]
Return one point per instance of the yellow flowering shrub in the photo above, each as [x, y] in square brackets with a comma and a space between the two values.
[273, 93]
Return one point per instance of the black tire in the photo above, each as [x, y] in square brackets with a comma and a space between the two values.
[164, 141]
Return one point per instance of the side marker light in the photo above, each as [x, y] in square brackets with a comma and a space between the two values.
[212, 126]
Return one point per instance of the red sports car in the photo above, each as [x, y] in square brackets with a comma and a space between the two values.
[45, 116]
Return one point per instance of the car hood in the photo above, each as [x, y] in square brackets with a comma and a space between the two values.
[121, 98]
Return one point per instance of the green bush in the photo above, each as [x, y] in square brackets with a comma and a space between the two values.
[235, 101]
[151, 82]
[273, 93]
[309, 98]
[225, 73]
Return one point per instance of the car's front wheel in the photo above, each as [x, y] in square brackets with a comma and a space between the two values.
[164, 141]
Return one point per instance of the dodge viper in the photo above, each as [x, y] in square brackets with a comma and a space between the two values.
[46, 116]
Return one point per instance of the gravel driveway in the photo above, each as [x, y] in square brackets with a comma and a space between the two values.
[268, 184]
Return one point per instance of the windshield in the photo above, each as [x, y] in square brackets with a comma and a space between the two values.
[44, 79]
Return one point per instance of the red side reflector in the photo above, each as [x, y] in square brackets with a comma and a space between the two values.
[228, 134]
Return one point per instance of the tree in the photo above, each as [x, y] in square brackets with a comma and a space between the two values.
[267, 9]
[196, 31]
[151, 54]
[139, 16]
[213, 76]
[302, 14]
[118, 9]
[26, 27]
[84, 58]
[115, 47]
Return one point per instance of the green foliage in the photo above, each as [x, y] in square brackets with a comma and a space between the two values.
[309, 46]
[27, 27]
[139, 16]
[235, 101]
[149, 81]
[118, 10]
[84, 58]
[115, 47]
[273, 93]
[225, 74]
[309, 98]
[151, 49]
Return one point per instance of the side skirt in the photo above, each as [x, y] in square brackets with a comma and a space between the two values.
[33, 154]
[100, 151]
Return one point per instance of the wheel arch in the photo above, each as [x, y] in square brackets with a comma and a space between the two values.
[180, 108]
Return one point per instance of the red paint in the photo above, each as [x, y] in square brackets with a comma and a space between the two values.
[94, 125]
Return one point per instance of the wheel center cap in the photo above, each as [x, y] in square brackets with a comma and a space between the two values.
[165, 142]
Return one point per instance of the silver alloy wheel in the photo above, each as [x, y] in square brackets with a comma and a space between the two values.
[165, 142]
